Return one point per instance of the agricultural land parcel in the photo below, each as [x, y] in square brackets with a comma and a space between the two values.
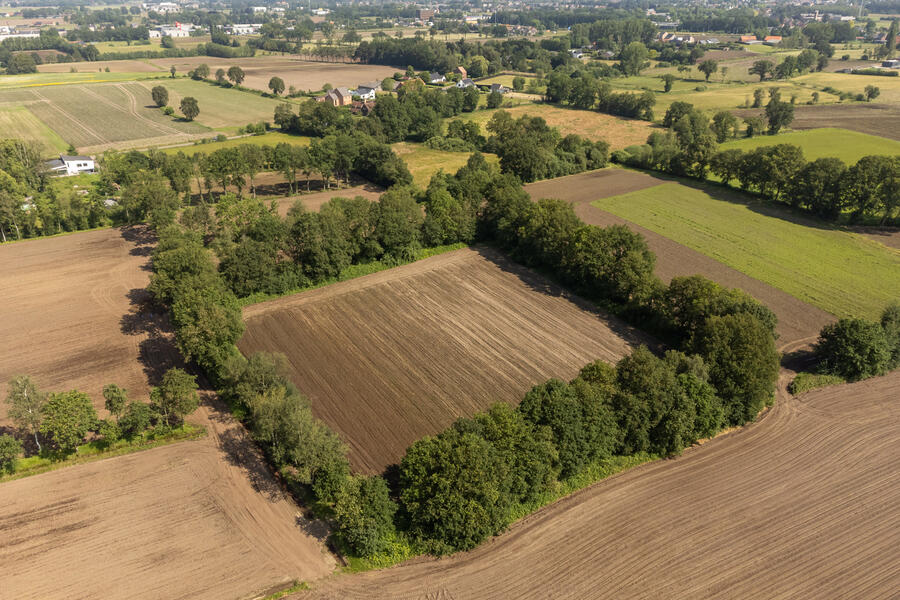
[97, 116]
[778, 494]
[304, 75]
[201, 519]
[844, 273]
[797, 321]
[423, 162]
[618, 132]
[390, 357]
[849, 146]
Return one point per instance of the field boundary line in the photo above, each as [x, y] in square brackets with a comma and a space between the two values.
[87, 129]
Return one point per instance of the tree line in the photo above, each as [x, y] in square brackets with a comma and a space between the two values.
[453, 490]
[825, 187]
[66, 420]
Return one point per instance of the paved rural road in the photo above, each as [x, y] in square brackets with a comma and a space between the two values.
[805, 503]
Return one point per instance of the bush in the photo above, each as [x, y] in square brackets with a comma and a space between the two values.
[10, 449]
[806, 382]
[853, 349]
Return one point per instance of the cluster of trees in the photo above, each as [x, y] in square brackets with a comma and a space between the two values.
[67, 419]
[580, 89]
[189, 106]
[808, 60]
[825, 187]
[859, 348]
[531, 150]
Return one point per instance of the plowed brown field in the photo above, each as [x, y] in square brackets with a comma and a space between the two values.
[803, 504]
[796, 320]
[391, 357]
[73, 314]
[202, 519]
[198, 519]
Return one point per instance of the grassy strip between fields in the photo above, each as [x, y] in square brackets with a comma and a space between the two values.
[352, 272]
[403, 548]
[297, 586]
[98, 450]
[807, 382]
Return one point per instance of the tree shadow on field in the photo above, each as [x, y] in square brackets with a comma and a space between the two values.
[541, 284]
[157, 353]
[240, 451]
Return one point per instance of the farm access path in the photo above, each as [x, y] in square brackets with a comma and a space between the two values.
[797, 320]
[200, 519]
[804, 503]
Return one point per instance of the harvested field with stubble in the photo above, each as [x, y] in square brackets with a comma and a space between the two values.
[99, 116]
[802, 504]
[391, 357]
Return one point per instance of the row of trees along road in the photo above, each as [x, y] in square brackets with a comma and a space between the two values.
[454, 490]
[67, 419]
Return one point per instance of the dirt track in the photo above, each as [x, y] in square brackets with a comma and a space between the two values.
[803, 504]
[388, 358]
[796, 320]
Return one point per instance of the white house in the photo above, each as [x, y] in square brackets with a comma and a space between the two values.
[70, 165]
[465, 83]
[435, 77]
[366, 91]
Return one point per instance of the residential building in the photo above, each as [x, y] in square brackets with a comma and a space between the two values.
[70, 165]
[366, 91]
[340, 96]
[436, 78]
[464, 83]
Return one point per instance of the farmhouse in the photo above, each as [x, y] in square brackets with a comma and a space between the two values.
[339, 97]
[436, 78]
[366, 91]
[499, 88]
[465, 83]
[70, 165]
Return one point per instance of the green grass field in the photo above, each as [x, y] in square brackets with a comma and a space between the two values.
[423, 162]
[843, 273]
[220, 108]
[272, 138]
[19, 122]
[856, 84]
[849, 146]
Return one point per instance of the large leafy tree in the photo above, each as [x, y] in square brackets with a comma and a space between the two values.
[743, 363]
[160, 95]
[189, 108]
[68, 417]
[176, 396]
[364, 512]
[451, 490]
[633, 57]
[236, 75]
